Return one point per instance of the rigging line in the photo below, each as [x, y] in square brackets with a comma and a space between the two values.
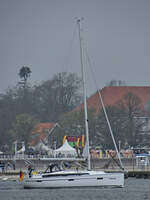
[68, 57]
[103, 106]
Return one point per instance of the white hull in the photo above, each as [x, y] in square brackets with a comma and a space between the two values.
[75, 179]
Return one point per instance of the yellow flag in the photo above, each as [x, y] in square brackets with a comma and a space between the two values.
[78, 141]
[64, 139]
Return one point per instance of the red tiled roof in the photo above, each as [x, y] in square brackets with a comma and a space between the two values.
[41, 132]
[42, 126]
[112, 94]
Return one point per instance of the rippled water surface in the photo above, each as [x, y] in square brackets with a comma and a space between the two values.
[135, 189]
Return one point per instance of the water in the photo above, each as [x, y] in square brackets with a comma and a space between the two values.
[135, 189]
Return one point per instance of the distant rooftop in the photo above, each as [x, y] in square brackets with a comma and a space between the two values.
[41, 131]
[112, 94]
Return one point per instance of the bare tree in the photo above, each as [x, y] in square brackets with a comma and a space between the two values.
[117, 124]
[125, 121]
[56, 96]
[132, 109]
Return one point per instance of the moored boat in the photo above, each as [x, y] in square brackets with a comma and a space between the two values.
[58, 178]
[55, 177]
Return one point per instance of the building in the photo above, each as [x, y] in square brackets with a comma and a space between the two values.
[112, 94]
[41, 133]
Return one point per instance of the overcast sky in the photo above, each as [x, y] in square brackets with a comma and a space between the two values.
[39, 34]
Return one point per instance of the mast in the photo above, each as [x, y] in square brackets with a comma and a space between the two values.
[84, 94]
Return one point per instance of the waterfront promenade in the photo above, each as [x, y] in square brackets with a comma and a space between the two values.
[40, 164]
[14, 163]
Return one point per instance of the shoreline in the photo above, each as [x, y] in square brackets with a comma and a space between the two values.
[96, 164]
[14, 176]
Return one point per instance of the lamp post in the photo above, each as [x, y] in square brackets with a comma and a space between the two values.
[23, 150]
[15, 149]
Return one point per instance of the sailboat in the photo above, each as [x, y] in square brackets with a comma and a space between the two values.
[56, 177]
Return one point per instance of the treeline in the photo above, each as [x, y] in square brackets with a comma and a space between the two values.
[55, 100]
[22, 106]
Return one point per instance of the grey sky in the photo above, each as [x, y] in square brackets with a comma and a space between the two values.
[38, 33]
